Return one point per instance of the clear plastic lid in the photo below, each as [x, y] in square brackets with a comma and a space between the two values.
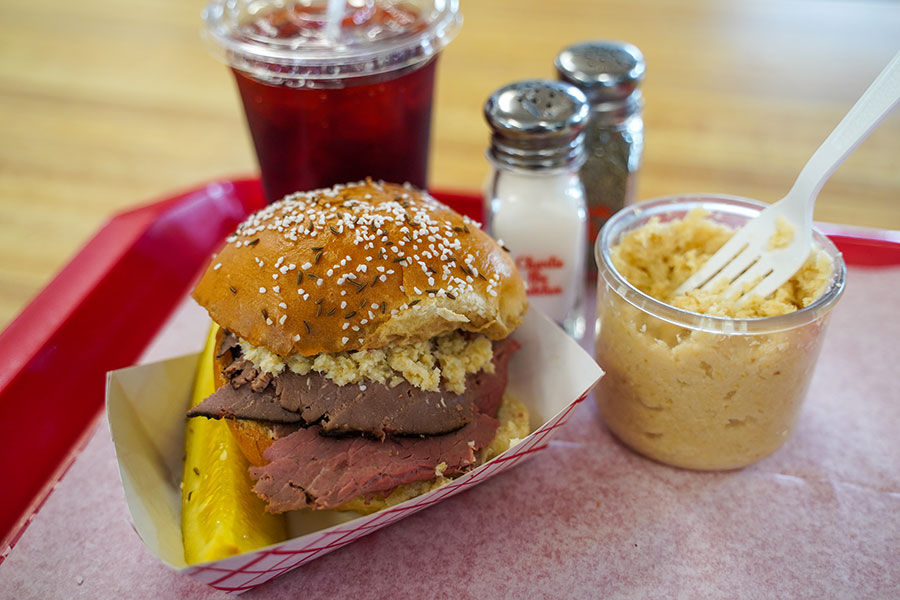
[308, 43]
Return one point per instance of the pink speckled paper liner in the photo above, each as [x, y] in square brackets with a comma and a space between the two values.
[586, 518]
[550, 374]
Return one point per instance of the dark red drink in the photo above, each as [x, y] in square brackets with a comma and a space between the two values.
[313, 138]
[331, 106]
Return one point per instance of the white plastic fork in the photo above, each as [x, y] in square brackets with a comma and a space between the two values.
[746, 257]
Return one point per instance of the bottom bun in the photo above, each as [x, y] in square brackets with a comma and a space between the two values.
[253, 437]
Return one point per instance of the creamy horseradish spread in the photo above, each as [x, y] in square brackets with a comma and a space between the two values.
[713, 399]
[448, 358]
[658, 257]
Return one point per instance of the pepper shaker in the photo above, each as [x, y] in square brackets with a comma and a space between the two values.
[534, 198]
[609, 73]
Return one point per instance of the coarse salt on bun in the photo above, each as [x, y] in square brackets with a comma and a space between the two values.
[360, 266]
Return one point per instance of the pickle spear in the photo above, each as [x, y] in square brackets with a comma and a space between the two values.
[220, 514]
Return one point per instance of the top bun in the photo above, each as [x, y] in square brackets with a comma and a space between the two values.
[360, 266]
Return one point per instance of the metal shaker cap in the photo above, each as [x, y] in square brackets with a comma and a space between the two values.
[537, 124]
[605, 71]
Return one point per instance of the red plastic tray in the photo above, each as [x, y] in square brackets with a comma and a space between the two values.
[105, 306]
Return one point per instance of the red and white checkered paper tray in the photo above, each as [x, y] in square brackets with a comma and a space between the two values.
[550, 374]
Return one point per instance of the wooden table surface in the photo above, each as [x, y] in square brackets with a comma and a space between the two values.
[109, 104]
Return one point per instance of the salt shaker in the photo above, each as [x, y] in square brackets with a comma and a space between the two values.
[534, 198]
[609, 73]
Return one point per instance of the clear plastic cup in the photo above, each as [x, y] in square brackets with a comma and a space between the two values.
[698, 391]
[329, 105]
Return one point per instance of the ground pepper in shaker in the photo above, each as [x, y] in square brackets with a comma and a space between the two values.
[609, 74]
[534, 199]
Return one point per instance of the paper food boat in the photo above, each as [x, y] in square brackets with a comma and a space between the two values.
[146, 404]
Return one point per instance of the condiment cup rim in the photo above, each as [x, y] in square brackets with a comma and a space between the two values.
[718, 205]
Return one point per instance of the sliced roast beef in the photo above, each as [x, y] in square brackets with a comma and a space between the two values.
[280, 430]
[241, 372]
[371, 408]
[243, 403]
[308, 470]
[228, 341]
[492, 385]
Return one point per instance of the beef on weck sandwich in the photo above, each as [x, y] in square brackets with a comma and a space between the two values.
[363, 346]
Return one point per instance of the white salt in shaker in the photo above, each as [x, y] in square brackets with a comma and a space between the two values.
[534, 198]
